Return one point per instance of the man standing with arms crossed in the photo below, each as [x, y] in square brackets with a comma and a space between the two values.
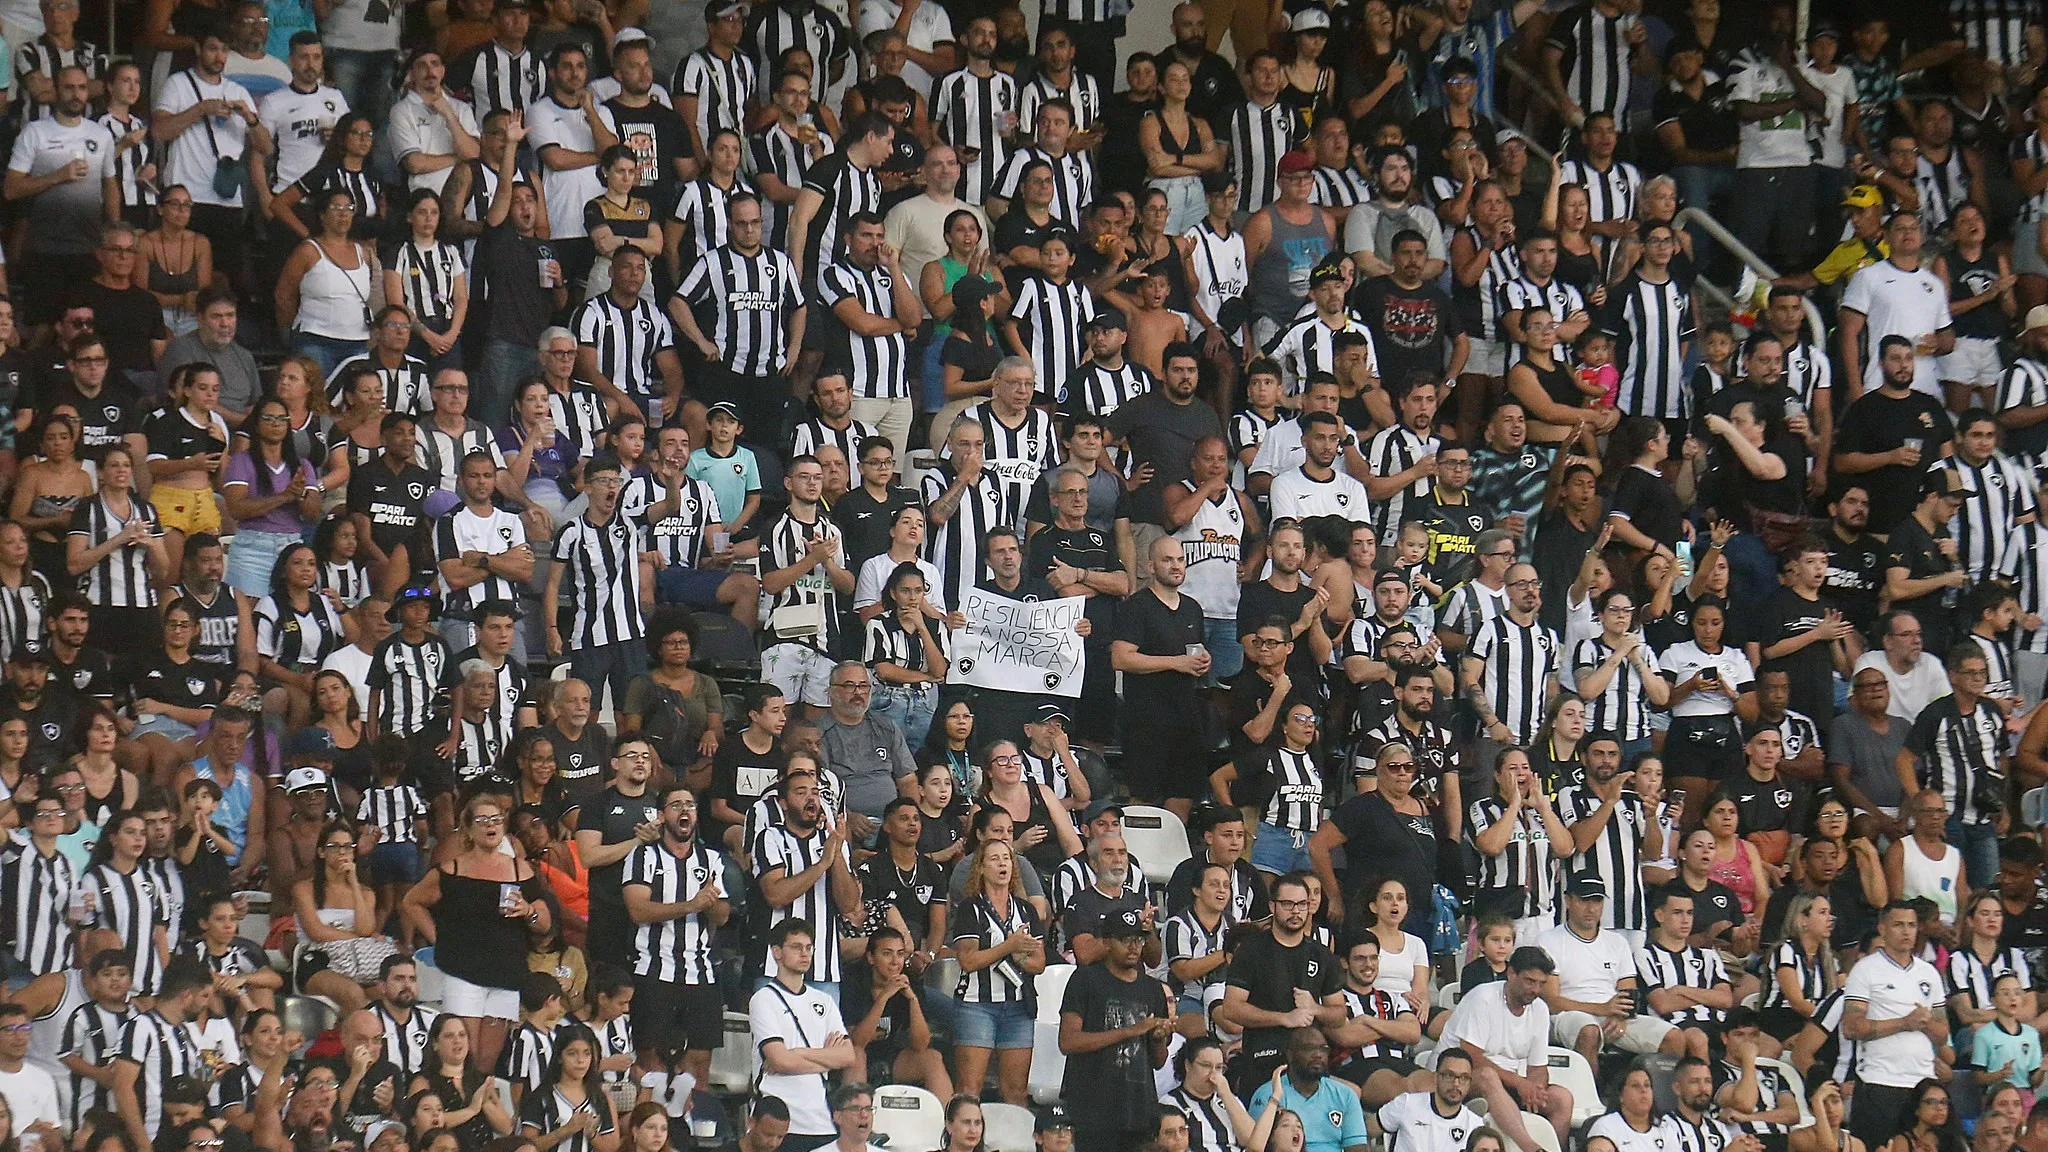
[1893, 1008]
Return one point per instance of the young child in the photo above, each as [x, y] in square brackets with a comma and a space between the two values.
[1598, 379]
[531, 1048]
[2006, 1049]
[1496, 943]
[394, 807]
[728, 465]
[1052, 309]
[1154, 326]
[1411, 559]
[1717, 365]
[92, 1033]
[1262, 389]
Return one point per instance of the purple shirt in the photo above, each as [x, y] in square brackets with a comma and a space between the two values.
[285, 517]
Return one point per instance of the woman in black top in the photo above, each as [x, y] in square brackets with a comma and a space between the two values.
[1645, 510]
[971, 352]
[1397, 839]
[343, 165]
[1765, 491]
[469, 1101]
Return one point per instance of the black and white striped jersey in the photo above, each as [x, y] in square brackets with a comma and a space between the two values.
[1017, 456]
[1519, 659]
[1960, 756]
[1209, 1127]
[121, 578]
[1708, 1134]
[1944, 186]
[22, 608]
[774, 152]
[1808, 371]
[1596, 60]
[1393, 451]
[1974, 976]
[294, 638]
[427, 277]
[627, 339]
[1657, 324]
[1623, 707]
[1480, 305]
[579, 414]
[1051, 771]
[1523, 869]
[1769, 1084]
[1611, 195]
[1303, 348]
[1099, 389]
[41, 57]
[545, 1112]
[1081, 91]
[163, 1051]
[814, 434]
[37, 896]
[93, 1034]
[509, 695]
[1806, 973]
[773, 30]
[602, 582]
[679, 537]
[1297, 801]
[847, 188]
[780, 850]
[1522, 293]
[478, 745]
[749, 302]
[1004, 982]
[1688, 967]
[394, 810]
[2034, 150]
[1379, 1005]
[1073, 180]
[724, 90]
[1470, 607]
[675, 951]
[705, 210]
[970, 112]
[1051, 315]
[1615, 857]
[493, 534]
[2000, 661]
[875, 366]
[408, 679]
[167, 879]
[1257, 137]
[614, 1038]
[1995, 29]
[955, 547]
[1183, 937]
[129, 161]
[788, 539]
[503, 80]
[1344, 187]
[526, 1056]
[407, 388]
[405, 1043]
[888, 643]
[348, 579]
[1996, 494]
[2026, 564]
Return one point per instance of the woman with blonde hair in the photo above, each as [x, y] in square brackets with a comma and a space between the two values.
[1001, 946]
[1803, 967]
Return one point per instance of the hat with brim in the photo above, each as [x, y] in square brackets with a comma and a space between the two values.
[414, 594]
[304, 779]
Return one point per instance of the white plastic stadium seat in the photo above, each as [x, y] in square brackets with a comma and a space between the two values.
[1048, 1063]
[1448, 995]
[2034, 807]
[913, 1119]
[432, 983]
[1052, 989]
[732, 1066]
[1570, 1071]
[1541, 1132]
[1157, 839]
[1795, 1084]
[1008, 1128]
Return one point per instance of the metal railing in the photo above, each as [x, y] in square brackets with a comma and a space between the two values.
[1539, 93]
[1816, 326]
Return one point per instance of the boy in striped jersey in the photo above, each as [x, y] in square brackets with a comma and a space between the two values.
[531, 1048]
[92, 1032]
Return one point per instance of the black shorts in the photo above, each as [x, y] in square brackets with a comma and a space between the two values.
[669, 1016]
[1360, 1070]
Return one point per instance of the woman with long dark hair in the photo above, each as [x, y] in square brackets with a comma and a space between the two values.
[343, 167]
[1545, 388]
[116, 548]
[25, 592]
[336, 546]
[173, 693]
[1308, 88]
[469, 1096]
[1179, 148]
[971, 353]
[945, 810]
[966, 255]
[540, 458]
[48, 489]
[1381, 87]
[1928, 1121]
[906, 655]
[1645, 512]
[174, 263]
[336, 911]
[1766, 489]
[331, 286]
[121, 893]
[569, 1109]
[272, 493]
[188, 443]
[429, 278]
[337, 710]
[109, 788]
[297, 626]
[262, 1044]
[966, 1128]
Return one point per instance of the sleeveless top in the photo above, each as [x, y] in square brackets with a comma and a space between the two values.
[1934, 879]
[53, 505]
[231, 815]
[99, 807]
[1581, 270]
[1736, 877]
[1557, 383]
[1305, 106]
[1046, 855]
[1279, 281]
[485, 948]
[161, 280]
[334, 301]
[1178, 149]
[1176, 278]
[1220, 270]
[1214, 541]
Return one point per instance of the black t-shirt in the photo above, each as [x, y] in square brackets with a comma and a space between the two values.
[740, 776]
[658, 137]
[1812, 668]
[1412, 329]
[1248, 694]
[1919, 552]
[1016, 230]
[1774, 805]
[614, 817]
[1879, 423]
[1144, 620]
[913, 894]
[1786, 494]
[102, 419]
[857, 999]
[508, 265]
[1258, 601]
[1454, 529]
[1650, 504]
[1855, 919]
[1110, 1091]
[976, 360]
[52, 726]
[579, 764]
[89, 675]
[128, 319]
[1712, 906]
[1559, 547]
[1089, 549]
[1705, 120]
[1269, 974]
[1392, 844]
[864, 522]
[394, 502]
[2027, 930]
[193, 684]
[1855, 577]
[1092, 912]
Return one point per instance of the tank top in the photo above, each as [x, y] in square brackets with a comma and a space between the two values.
[1557, 383]
[1934, 879]
[53, 505]
[1214, 542]
[1220, 272]
[99, 807]
[1045, 855]
[1972, 278]
[1581, 270]
[334, 301]
[163, 280]
[1176, 279]
[1279, 281]
[1178, 149]
[1736, 877]
[46, 1032]
[486, 948]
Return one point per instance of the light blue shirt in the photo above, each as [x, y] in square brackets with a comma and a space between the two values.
[1991, 1046]
[1332, 1119]
[731, 477]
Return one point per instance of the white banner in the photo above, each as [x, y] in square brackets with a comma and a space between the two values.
[1017, 646]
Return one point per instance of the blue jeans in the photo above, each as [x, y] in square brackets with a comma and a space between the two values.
[1226, 655]
[616, 664]
[909, 707]
[505, 365]
[1979, 845]
[365, 79]
[327, 350]
[1699, 185]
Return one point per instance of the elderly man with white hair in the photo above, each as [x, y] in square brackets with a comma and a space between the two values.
[868, 752]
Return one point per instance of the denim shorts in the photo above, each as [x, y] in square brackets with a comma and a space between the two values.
[1274, 853]
[992, 1025]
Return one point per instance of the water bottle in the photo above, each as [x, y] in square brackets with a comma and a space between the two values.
[1684, 553]
[75, 907]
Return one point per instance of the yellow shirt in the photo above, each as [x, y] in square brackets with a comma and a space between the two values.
[1849, 257]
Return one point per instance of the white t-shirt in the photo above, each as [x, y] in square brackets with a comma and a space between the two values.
[31, 1095]
[1923, 684]
[1516, 1043]
[1613, 1126]
[1777, 142]
[874, 576]
[1588, 970]
[1414, 1124]
[568, 189]
[1397, 969]
[1681, 661]
[929, 28]
[299, 122]
[418, 128]
[65, 217]
[1895, 302]
[1890, 991]
[1840, 88]
[1295, 494]
[799, 1020]
[192, 157]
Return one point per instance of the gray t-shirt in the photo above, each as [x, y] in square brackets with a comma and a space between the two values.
[869, 757]
[240, 386]
[1162, 434]
[1870, 756]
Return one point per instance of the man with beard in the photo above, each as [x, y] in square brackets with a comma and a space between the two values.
[624, 817]
[76, 670]
[1115, 1023]
[1696, 1120]
[637, 111]
[970, 110]
[1216, 86]
[1855, 559]
[63, 165]
[1413, 723]
[1504, 1026]
[1372, 230]
[1280, 980]
[1451, 516]
[907, 879]
[1510, 675]
[803, 872]
[1889, 435]
[1089, 918]
[52, 716]
[1332, 1115]
[1512, 478]
[1923, 569]
[1377, 1030]
[1412, 321]
[683, 520]
[1317, 487]
[431, 131]
[675, 895]
[387, 502]
[404, 1020]
[1436, 1119]
[2023, 393]
[1892, 1008]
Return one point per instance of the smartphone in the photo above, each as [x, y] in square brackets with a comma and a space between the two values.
[1675, 797]
[1710, 672]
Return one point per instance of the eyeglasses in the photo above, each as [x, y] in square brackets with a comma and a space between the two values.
[637, 754]
[346, 846]
[1531, 582]
[177, 624]
[1290, 904]
[1508, 554]
[852, 685]
[1263, 642]
[1071, 492]
[487, 821]
[274, 418]
[70, 787]
[1018, 760]
[16, 1027]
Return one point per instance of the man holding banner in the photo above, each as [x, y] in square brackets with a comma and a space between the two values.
[1000, 710]
[1079, 559]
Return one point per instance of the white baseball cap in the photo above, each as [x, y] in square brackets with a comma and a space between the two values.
[302, 779]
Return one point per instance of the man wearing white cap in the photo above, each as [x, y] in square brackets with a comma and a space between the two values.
[1592, 993]
[605, 88]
